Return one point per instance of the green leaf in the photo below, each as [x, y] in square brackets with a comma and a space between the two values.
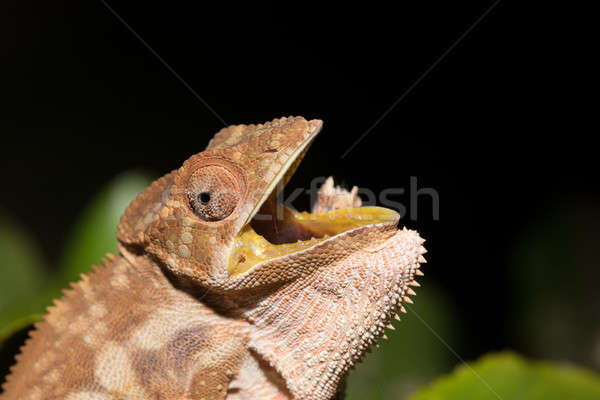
[15, 325]
[94, 234]
[23, 273]
[508, 376]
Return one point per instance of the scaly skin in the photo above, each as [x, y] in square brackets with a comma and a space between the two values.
[174, 317]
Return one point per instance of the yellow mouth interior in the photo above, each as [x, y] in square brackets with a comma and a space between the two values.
[286, 231]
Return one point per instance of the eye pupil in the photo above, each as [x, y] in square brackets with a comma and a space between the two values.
[204, 197]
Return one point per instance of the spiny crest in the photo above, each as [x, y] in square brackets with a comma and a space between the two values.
[45, 329]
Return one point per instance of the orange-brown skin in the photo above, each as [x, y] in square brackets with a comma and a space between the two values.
[166, 320]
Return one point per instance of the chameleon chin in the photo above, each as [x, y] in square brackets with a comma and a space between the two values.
[220, 293]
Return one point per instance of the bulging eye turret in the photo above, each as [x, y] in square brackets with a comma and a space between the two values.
[214, 193]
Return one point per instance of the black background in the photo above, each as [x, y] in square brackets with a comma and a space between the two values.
[500, 127]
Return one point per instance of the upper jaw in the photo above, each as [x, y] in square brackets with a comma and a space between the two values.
[286, 170]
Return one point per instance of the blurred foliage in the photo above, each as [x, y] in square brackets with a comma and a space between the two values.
[94, 234]
[509, 376]
[23, 275]
[555, 283]
[26, 289]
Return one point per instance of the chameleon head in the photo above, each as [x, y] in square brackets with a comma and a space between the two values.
[201, 220]
[340, 271]
[190, 219]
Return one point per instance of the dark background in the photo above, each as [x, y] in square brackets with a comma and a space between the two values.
[500, 127]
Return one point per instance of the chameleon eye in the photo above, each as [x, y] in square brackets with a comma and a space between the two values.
[213, 192]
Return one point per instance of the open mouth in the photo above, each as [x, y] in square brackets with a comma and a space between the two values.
[265, 239]
[275, 230]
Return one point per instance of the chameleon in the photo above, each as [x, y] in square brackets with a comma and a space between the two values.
[220, 292]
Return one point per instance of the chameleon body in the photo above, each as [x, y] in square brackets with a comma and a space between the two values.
[208, 301]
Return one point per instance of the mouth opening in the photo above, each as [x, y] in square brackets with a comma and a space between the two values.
[273, 230]
[277, 230]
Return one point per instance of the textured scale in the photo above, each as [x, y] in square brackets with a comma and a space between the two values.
[125, 332]
[165, 319]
